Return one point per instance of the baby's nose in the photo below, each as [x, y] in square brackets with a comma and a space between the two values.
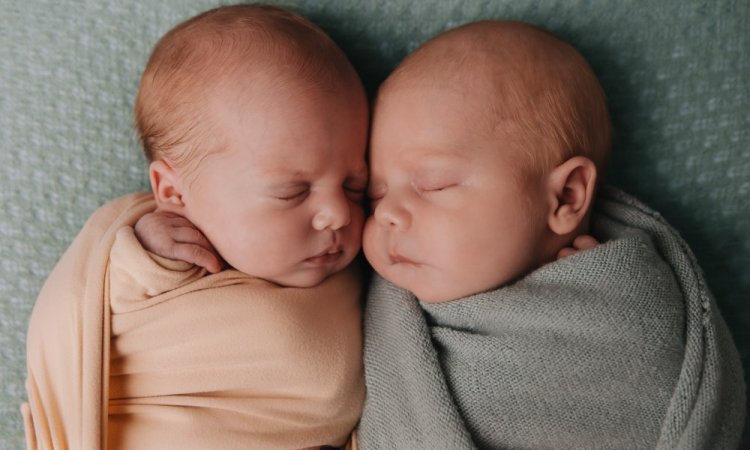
[334, 212]
[390, 214]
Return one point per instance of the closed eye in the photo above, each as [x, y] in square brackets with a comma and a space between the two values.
[438, 188]
[355, 193]
[374, 199]
[376, 191]
[298, 195]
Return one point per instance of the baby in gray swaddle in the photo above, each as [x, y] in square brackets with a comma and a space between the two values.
[485, 151]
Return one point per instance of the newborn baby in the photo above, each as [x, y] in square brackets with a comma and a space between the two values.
[255, 124]
[486, 148]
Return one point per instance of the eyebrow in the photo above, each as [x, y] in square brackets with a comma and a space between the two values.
[448, 149]
[436, 160]
[292, 176]
[284, 184]
[287, 173]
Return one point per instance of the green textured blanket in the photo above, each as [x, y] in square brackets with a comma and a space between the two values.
[621, 346]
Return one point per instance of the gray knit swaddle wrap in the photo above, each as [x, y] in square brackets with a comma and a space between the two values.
[621, 346]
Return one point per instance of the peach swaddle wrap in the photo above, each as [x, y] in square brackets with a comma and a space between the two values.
[186, 360]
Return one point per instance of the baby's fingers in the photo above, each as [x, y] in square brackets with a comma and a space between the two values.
[183, 235]
[190, 237]
[585, 242]
[179, 221]
[198, 255]
[567, 251]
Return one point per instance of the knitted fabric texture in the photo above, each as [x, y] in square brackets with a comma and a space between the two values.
[620, 346]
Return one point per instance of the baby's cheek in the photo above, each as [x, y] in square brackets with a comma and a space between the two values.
[370, 242]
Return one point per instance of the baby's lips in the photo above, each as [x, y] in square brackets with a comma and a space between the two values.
[397, 258]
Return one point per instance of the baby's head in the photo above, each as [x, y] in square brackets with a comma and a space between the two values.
[255, 124]
[485, 147]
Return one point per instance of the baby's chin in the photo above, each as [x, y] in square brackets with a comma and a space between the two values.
[425, 290]
[303, 280]
[309, 276]
[427, 282]
[299, 278]
[439, 288]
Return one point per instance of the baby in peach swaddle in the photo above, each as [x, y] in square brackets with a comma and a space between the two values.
[255, 124]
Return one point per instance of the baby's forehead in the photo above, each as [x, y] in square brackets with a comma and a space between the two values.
[485, 105]
[490, 54]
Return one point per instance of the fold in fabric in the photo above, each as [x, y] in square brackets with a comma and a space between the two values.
[136, 351]
[620, 346]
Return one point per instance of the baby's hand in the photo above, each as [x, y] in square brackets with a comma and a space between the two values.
[172, 236]
[582, 242]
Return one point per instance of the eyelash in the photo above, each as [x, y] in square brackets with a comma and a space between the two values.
[374, 198]
[357, 193]
[375, 195]
[294, 196]
[435, 189]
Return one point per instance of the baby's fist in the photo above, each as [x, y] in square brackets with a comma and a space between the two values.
[582, 242]
[174, 237]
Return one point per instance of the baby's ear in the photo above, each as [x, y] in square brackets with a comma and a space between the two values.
[165, 183]
[570, 191]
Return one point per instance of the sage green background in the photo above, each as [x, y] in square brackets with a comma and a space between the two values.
[677, 74]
